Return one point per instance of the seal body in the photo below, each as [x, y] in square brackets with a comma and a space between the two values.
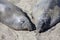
[14, 17]
[47, 14]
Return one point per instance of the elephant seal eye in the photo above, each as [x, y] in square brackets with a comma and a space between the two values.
[23, 21]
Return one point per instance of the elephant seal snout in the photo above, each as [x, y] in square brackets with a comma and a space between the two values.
[14, 17]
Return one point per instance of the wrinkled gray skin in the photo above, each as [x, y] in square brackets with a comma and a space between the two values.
[14, 17]
[50, 14]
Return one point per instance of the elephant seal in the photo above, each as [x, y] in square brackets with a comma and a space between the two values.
[14, 17]
[46, 14]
